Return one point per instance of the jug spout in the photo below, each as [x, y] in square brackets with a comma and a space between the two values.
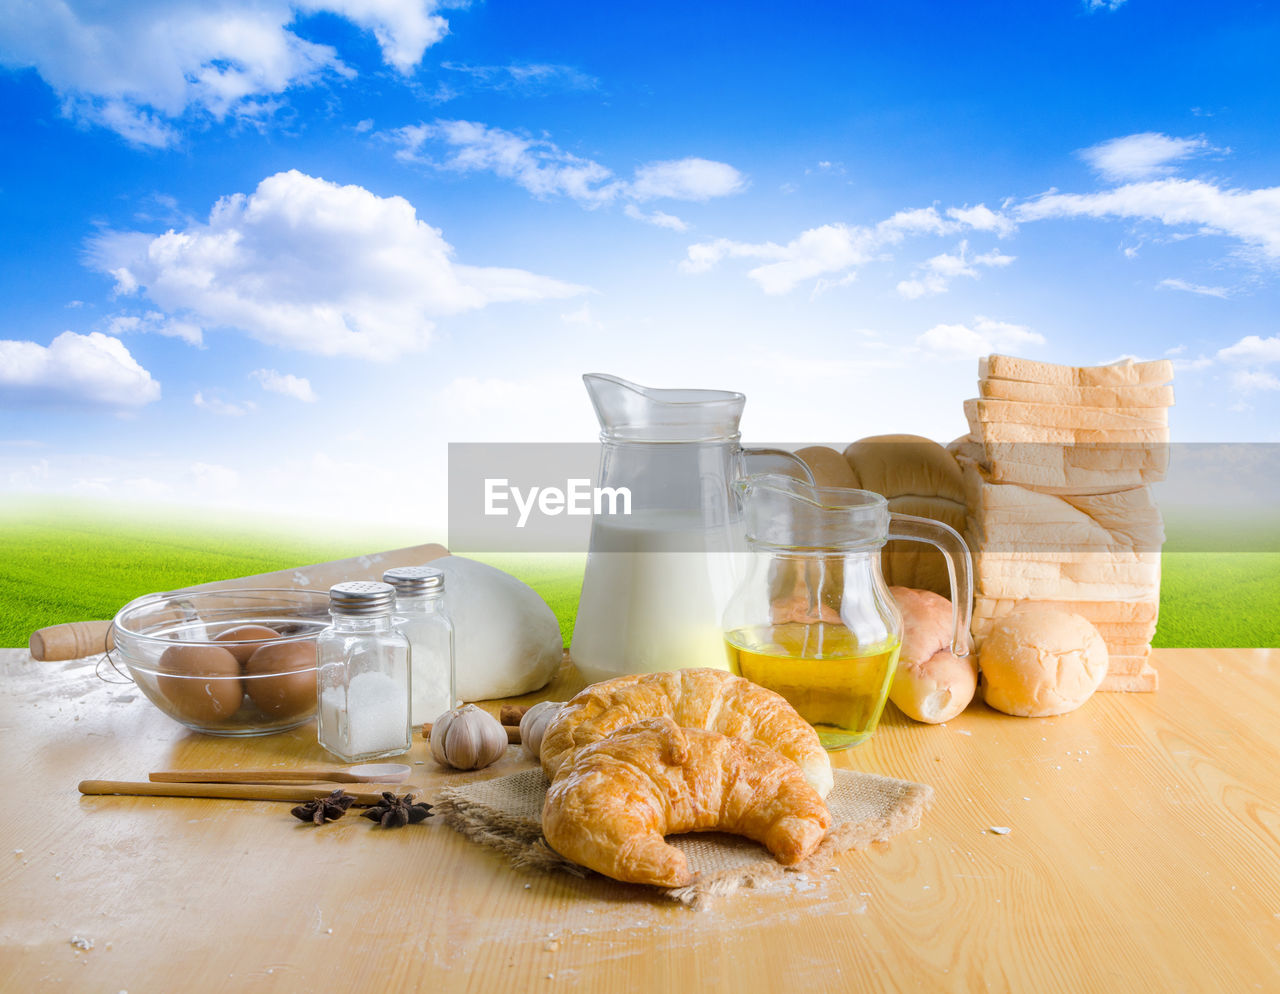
[631, 412]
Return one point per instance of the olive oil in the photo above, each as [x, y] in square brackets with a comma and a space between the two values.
[836, 684]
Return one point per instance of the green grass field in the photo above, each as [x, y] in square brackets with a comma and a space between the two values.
[65, 560]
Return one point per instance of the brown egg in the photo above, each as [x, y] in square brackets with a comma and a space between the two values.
[290, 690]
[205, 688]
[251, 638]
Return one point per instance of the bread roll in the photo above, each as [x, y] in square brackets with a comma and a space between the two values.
[917, 476]
[828, 467]
[1039, 662]
[931, 684]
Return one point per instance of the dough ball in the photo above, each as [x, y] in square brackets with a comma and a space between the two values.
[506, 641]
[1040, 661]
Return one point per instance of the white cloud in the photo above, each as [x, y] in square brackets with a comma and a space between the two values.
[537, 165]
[546, 170]
[958, 341]
[307, 264]
[527, 77]
[1141, 156]
[1093, 6]
[215, 405]
[157, 323]
[285, 384]
[1251, 380]
[93, 370]
[1251, 217]
[139, 67]
[831, 248]
[659, 218]
[1252, 348]
[983, 218]
[936, 274]
[1204, 291]
[685, 179]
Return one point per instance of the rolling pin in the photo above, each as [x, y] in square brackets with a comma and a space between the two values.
[85, 638]
[231, 791]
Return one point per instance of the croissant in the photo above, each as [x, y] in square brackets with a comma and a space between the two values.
[696, 698]
[611, 807]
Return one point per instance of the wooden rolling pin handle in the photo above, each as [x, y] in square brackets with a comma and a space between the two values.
[230, 791]
[513, 732]
[71, 641]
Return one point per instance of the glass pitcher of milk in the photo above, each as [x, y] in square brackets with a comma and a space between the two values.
[663, 562]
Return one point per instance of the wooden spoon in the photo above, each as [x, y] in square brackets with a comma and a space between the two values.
[365, 773]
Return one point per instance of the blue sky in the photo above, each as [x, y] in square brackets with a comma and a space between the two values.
[277, 255]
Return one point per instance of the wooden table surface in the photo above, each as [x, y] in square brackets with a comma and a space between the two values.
[1143, 853]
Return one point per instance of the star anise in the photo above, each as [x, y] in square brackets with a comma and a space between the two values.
[395, 812]
[324, 809]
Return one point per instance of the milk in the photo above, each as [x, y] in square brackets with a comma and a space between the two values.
[655, 588]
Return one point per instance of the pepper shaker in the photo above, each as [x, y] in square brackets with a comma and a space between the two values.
[363, 675]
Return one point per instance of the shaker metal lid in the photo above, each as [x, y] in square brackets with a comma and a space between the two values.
[412, 580]
[361, 597]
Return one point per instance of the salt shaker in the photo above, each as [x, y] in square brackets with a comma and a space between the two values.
[422, 615]
[363, 675]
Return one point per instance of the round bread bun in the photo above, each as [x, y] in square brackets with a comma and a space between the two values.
[1040, 661]
[828, 466]
[917, 476]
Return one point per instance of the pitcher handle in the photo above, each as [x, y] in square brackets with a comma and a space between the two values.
[959, 568]
[758, 461]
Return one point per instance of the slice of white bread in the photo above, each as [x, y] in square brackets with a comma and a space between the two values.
[1127, 636]
[983, 494]
[1001, 412]
[1147, 681]
[1092, 569]
[1064, 469]
[1103, 458]
[1009, 517]
[1122, 397]
[1041, 538]
[1061, 588]
[1111, 439]
[1125, 373]
[1125, 665]
[1123, 649]
[1105, 611]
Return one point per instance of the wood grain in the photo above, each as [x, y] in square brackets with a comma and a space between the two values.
[1143, 855]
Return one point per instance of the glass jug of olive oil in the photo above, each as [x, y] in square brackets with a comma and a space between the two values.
[813, 619]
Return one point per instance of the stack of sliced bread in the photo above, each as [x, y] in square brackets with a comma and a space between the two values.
[1059, 512]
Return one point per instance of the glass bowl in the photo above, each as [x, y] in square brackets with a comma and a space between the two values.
[181, 651]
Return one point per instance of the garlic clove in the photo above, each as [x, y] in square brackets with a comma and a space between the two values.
[534, 725]
[467, 738]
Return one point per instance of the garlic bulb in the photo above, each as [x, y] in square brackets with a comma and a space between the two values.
[467, 738]
[534, 723]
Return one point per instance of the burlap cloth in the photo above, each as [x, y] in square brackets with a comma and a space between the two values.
[505, 813]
